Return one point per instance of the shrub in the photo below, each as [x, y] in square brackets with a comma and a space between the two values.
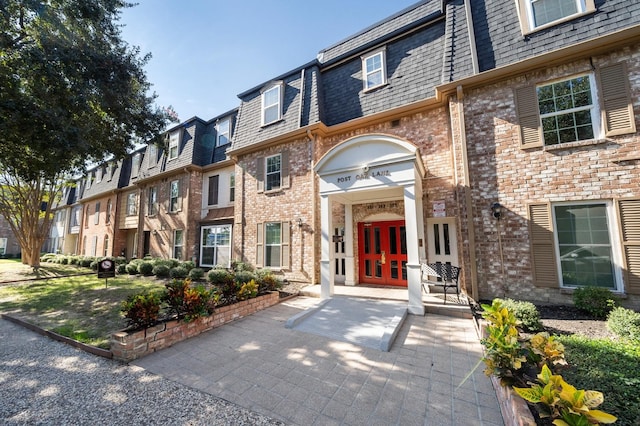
[559, 400]
[161, 270]
[121, 269]
[178, 272]
[74, 260]
[219, 277]
[267, 281]
[188, 302]
[142, 309]
[242, 266]
[64, 260]
[525, 312]
[597, 301]
[132, 268]
[145, 268]
[243, 277]
[172, 263]
[188, 264]
[120, 260]
[94, 264]
[173, 296]
[85, 262]
[624, 323]
[196, 274]
[248, 290]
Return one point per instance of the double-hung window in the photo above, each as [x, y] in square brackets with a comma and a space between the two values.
[582, 107]
[273, 172]
[272, 245]
[216, 246]
[108, 212]
[174, 196]
[131, 204]
[584, 245]
[568, 110]
[374, 70]
[271, 104]
[212, 196]
[178, 243]
[223, 130]
[152, 152]
[152, 206]
[537, 14]
[96, 215]
[174, 140]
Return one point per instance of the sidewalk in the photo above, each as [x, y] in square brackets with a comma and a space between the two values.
[305, 379]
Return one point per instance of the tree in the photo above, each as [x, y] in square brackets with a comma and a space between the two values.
[72, 92]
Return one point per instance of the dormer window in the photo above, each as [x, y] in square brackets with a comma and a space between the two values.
[271, 104]
[99, 174]
[109, 171]
[374, 72]
[174, 140]
[539, 14]
[153, 155]
[223, 129]
[135, 166]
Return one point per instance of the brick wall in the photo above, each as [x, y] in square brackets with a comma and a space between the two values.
[501, 171]
[102, 232]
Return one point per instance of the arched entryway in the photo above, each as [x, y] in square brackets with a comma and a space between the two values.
[379, 171]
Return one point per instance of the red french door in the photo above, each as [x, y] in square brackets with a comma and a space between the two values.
[382, 253]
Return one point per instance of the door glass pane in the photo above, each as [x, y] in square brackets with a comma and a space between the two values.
[367, 235]
[367, 268]
[376, 240]
[404, 270]
[343, 261]
[393, 240]
[378, 269]
[447, 241]
[584, 245]
[403, 240]
[394, 269]
[436, 238]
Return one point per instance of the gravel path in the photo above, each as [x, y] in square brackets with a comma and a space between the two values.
[44, 382]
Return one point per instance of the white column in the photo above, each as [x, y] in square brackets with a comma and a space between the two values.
[348, 246]
[411, 215]
[326, 272]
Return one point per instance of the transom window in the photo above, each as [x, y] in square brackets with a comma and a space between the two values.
[273, 175]
[584, 245]
[373, 70]
[271, 110]
[567, 110]
[216, 246]
[223, 129]
[273, 244]
[174, 140]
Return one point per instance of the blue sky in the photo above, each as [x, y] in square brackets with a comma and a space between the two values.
[206, 52]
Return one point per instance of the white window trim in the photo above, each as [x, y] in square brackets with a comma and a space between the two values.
[279, 267]
[614, 238]
[227, 133]
[131, 196]
[96, 214]
[152, 207]
[383, 69]
[178, 206]
[278, 104]
[202, 246]
[596, 124]
[527, 24]
[174, 142]
[232, 187]
[173, 252]
[266, 173]
[209, 189]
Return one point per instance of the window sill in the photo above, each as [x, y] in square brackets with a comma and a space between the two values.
[570, 290]
[272, 122]
[374, 88]
[529, 31]
[578, 144]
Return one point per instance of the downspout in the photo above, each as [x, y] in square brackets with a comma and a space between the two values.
[472, 37]
[314, 200]
[467, 194]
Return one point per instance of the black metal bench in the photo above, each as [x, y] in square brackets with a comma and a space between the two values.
[447, 277]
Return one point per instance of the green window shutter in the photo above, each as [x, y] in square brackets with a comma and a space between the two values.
[260, 245]
[545, 273]
[260, 173]
[526, 100]
[285, 252]
[615, 100]
[630, 223]
[284, 169]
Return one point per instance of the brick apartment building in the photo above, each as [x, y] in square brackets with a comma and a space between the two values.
[393, 145]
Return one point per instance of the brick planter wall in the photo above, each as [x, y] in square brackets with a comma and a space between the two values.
[127, 346]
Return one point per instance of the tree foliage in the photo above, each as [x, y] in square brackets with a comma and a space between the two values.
[72, 92]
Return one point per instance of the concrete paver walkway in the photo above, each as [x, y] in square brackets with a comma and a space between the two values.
[305, 379]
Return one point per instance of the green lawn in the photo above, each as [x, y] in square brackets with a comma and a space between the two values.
[79, 307]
